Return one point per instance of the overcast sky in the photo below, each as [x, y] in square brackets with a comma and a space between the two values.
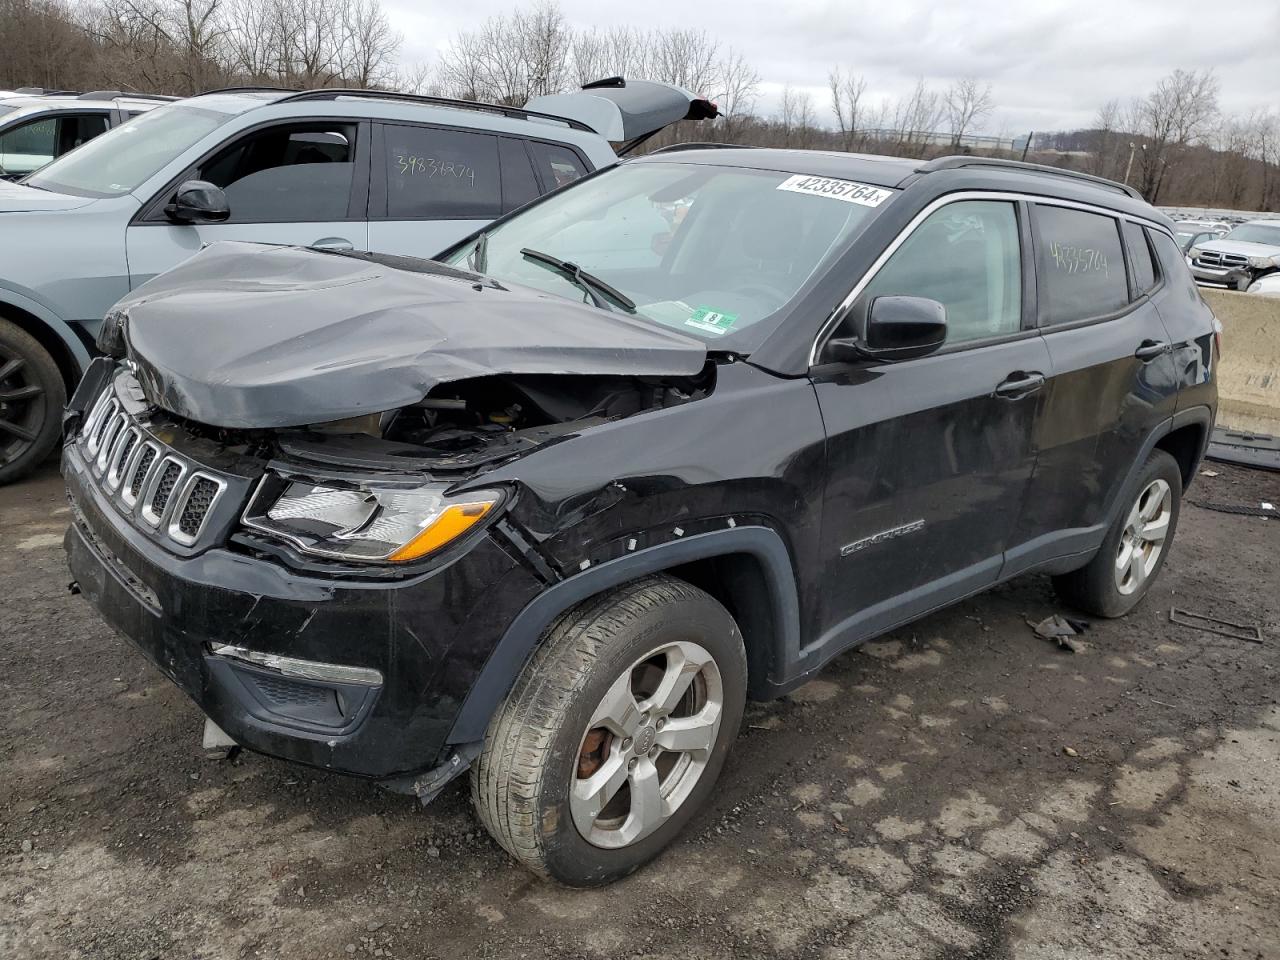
[1051, 63]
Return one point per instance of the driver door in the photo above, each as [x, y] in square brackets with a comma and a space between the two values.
[298, 183]
[928, 459]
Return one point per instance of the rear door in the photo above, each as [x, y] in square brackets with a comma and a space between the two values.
[434, 185]
[1112, 381]
[299, 182]
[929, 459]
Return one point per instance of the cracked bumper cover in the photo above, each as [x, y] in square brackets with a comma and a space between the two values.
[427, 637]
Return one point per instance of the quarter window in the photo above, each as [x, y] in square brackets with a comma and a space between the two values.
[560, 166]
[967, 257]
[288, 174]
[519, 184]
[1144, 271]
[441, 174]
[1080, 264]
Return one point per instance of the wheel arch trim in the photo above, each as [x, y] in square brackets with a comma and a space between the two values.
[522, 636]
[59, 327]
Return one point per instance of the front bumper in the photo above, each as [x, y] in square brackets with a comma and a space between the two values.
[1230, 276]
[427, 637]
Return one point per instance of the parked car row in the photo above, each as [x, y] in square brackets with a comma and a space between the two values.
[1238, 259]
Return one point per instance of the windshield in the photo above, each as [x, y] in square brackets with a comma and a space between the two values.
[710, 251]
[1257, 233]
[122, 159]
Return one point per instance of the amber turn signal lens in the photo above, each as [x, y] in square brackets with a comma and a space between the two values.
[456, 520]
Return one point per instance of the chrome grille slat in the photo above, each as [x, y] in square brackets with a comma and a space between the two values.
[126, 445]
[154, 486]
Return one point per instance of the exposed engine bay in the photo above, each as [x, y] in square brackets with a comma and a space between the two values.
[470, 424]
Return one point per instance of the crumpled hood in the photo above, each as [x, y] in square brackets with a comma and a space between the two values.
[251, 336]
[1246, 248]
[15, 198]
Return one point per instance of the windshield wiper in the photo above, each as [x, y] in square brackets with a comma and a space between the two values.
[595, 288]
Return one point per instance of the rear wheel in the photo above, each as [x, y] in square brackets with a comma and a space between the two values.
[32, 396]
[615, 733]
[1136, 546]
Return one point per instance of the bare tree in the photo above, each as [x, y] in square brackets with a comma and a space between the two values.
[738, 90]
[1107, 123]
[1180, 110]
[967, 103]
[916, 116]
[847, 95]
[369, 44]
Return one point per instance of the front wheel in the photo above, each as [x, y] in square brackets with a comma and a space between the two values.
[32, 396]
[615, 733]
[1136, 546]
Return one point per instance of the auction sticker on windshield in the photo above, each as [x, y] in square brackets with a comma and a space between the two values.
[712, 321]
[846, 190]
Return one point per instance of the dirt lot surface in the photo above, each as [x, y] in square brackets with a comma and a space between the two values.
[957, 789]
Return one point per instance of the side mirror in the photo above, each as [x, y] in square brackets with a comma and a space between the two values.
[896, 328]
[198, 201]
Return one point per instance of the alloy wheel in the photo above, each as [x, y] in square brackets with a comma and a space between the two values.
[647, 744]
[1142, 540]
[22, 406]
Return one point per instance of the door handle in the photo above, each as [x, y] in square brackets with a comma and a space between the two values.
[1020, 384]
[1149, 350]
[333, 243]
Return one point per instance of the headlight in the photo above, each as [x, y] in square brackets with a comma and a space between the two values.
[1194, 252]
[1264, 263]
[378, 523]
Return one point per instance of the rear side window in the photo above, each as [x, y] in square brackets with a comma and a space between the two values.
[1144, 270]
[967, 257]
[1080, 264]
[559, 165]
[441, 174]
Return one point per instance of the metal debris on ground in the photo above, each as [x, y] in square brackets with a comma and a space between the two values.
[1225, 628]
[1061, 629]
[1265, 510]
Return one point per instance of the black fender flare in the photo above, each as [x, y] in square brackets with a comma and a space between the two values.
[1201, 416]
[521, 638]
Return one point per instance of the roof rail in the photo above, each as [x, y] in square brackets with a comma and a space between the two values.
[518, 113]
[44, 92]
[952, 163]
[249, 88]
[118, 94]
[703, 145]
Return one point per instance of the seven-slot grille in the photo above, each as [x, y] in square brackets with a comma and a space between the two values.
[1213, 258]
[147, 480]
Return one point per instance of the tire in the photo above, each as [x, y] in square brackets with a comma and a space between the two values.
[1109, 587]
[32, 396]
[542, 755]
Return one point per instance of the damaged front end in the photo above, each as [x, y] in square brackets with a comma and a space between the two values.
[288, 511]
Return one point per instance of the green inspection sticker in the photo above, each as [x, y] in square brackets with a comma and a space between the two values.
[712, 321]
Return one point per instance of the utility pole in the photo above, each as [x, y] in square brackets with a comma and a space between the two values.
[1129, 166]
[1027, 146]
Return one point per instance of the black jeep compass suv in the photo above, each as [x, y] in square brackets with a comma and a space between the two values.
[551, 508]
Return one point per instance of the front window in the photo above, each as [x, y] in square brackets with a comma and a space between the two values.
[1257, 233]
[121, 160]
[714, 252]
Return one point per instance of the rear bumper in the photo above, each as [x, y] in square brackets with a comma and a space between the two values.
[426, 637]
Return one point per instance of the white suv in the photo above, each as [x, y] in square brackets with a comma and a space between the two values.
[35, 129]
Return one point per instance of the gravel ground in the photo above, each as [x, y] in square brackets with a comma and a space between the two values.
[957, 789]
